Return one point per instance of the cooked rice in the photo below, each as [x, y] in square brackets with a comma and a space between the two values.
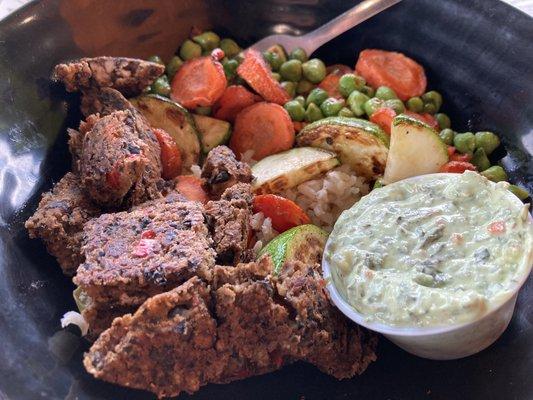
[262, 228]
[196, 170]
[325, 198]
[75, 318]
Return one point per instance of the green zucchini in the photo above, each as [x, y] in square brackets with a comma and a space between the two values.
[213, 132]
[175, 120]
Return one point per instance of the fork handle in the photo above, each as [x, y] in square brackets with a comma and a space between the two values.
[361, 12]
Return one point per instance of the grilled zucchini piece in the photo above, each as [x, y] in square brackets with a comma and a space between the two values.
[278, 172]
[415, 149]
[358, 143]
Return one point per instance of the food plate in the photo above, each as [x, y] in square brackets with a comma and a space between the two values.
[476, 53]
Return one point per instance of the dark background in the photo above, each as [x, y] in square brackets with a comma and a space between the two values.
[476, 53]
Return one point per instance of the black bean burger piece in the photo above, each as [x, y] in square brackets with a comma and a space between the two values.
[59, 221]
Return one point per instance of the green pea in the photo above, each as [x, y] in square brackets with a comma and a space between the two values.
[519, 192]
[480, 160]
[274, 60]
[447, 136]
[280, 51]
[161, 86]
[378, 184]
[385, 93]
[433, 97]
[230, 67]
[396, 104]
[173, 65]
[495, 174]
[300, 99]
[295, 109]
[350, 82]
[368, 90]
[304, 87]
[207, 40]
[313, 113]
[429, 108]
[190, 50]
[316, 96]
[291, 70]
[203, 110]
[290, 87]
[299, 54]
[229, 47]
[488, 141]
[346, 112]
[314, 70]
[276, 76]
[443, 120]
[356, 101]
[156, 59]
[465, 142]
[372, 105]
[331, 106]
[415, 104]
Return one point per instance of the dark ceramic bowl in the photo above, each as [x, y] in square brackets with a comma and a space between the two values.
[477, 53]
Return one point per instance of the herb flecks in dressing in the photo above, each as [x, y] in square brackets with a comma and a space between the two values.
[436, 250]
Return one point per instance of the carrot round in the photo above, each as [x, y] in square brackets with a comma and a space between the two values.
[388, 68]
[234, 99]
[191, 188]
[170, 154]
[265, 128]
[284, 213]
[199, 82]
[331, 85]
[383, 117]
[457, 167]
[255, 71]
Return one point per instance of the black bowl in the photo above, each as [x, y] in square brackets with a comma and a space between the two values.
[476, 52]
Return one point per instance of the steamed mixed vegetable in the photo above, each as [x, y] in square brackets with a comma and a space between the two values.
[297, 118]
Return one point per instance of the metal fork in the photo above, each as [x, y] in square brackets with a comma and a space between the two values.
[314, 39]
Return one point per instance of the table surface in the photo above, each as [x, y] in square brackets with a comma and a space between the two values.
[8, 6]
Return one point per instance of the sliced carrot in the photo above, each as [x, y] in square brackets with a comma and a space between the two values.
[454, 156]
[331, 85]
[298, 126]
[284, 213]
[199, 82]
[460, 157]
[457, 167]
[383, 117]
[233, 101]
[388, 68]
[426, 118]
[170, 154]
[191, 188]
[331, 82]
[255, 71]
[265, 128]
[451, 151]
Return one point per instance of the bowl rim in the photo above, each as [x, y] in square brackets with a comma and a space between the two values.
[414, 331]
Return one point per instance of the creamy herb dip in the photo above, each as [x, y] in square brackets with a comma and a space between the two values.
[434, 250]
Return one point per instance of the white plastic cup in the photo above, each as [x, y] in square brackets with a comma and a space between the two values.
[443, 342]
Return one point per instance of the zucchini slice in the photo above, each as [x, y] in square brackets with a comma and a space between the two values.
[359, 143]
[175, 120]
[278, 172]
[213, 132]
[303, 243]
[415, 149]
